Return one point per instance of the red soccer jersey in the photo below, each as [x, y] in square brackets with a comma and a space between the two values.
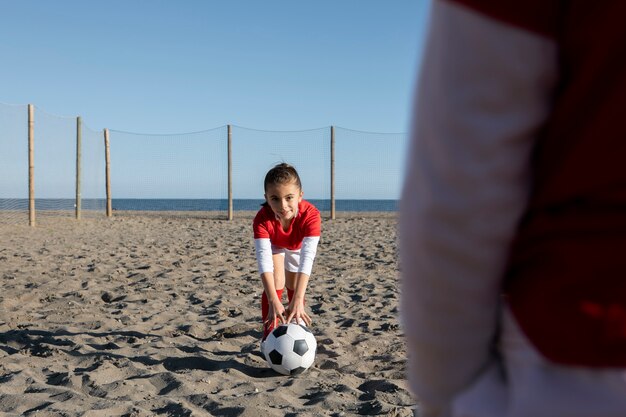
[307, 223]
[565, 278]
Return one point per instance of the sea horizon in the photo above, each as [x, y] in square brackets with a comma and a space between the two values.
[189, 204]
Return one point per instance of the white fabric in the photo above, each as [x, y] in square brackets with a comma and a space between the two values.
[483, 94]
[528, 385]
[263, 250]
[291, 257]
[300, 260]
[309, 249]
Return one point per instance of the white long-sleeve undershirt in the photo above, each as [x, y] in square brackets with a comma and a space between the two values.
[263, 249]
[307, 254]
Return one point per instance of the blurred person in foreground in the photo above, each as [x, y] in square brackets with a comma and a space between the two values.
[513, 213]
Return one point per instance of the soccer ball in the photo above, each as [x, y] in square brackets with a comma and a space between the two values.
[290, 349]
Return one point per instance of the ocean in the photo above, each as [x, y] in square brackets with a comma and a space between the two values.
[170, 204]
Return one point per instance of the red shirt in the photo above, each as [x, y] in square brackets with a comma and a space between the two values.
[566, 278]
[307, 223]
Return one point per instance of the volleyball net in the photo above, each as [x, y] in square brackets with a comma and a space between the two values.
[13, 163]
[176, 173]
[66, 160]
[209, 173]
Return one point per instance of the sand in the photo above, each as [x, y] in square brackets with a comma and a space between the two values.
[160, 316]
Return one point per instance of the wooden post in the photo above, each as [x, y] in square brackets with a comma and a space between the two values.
[107, 171]
[332, 173]
[78, 168]
[230, 174]
[31, 165]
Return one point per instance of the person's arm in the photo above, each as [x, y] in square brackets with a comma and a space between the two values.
[484, 93]
[263, 250]
[307, 256]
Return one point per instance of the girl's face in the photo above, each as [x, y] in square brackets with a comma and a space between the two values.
[284, 199]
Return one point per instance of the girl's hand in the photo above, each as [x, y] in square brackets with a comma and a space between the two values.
[275, 313]
[295, 310]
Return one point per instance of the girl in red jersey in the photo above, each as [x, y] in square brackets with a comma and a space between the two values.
[286, 234]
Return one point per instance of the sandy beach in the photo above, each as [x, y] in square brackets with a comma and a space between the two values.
[160, 316]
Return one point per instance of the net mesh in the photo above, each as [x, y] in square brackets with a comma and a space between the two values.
[178, 172]
[55, 164]
[187, 174]
[14, 163]
[93, 182]
[368, 170]
[256, 151]
[55, 147]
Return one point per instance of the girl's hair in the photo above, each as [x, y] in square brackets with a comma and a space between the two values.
[282, 174]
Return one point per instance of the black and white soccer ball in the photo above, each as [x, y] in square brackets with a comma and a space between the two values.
[290, 349]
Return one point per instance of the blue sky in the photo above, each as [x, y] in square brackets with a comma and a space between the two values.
[179, 66]
[185, 66]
